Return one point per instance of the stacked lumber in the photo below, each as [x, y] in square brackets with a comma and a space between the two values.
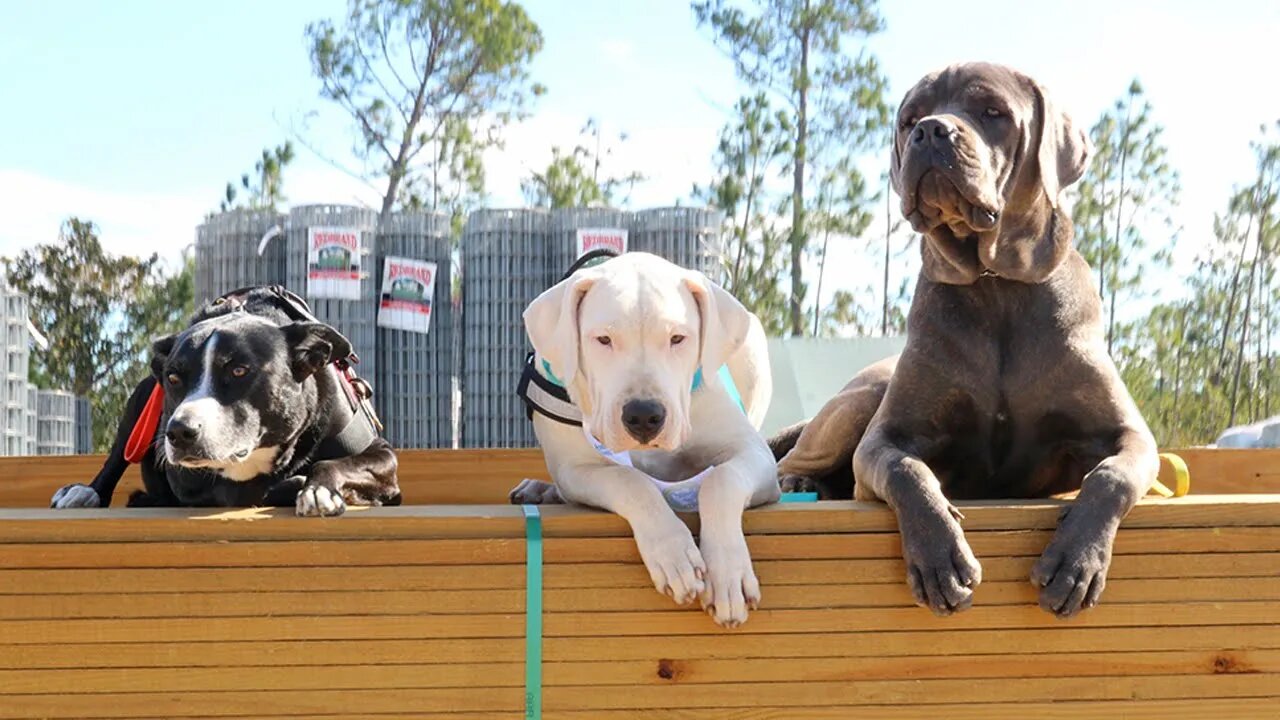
[420, 612]
[483, 477]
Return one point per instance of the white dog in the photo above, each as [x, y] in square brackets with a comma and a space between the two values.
[669, 375]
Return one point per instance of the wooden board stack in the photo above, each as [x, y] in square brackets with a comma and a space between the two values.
[418, 612]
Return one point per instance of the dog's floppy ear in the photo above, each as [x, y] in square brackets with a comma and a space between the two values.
[551, 321]
[160, 350]
[313, 345]
[1064, 149]
[725, 322]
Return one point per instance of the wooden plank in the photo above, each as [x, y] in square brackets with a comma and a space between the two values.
[487, 551]
[239, 679]
[262, 703]
[427, 477]
[668, 672]
[1231, 470]
[150, 653]
[463, 602]
[692, 622]
[498, 521]
[485, 476]
[1064, 638]
[675, 622]
[577, 575]
[664, 672]
[910, 692]
[1215, 708]
[187, 580]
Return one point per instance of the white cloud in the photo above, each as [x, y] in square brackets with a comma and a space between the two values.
[136, 223]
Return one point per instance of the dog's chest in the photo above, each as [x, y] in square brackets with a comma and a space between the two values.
[1007, 454]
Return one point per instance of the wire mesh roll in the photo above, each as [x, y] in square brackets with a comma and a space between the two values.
[414, 387]
[504, 267]
[687, 236]
[356, 319]
[227, 252]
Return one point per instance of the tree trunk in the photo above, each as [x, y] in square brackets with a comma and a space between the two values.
[817, 296]
[1235, 280]
[1244, 321]
[797, 192]
[1115, 266]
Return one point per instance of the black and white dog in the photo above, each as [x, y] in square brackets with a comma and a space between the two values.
[258, 409]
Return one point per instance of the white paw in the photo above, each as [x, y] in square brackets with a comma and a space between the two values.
[732, 588]
[319, 501]
[75, 496]
[674, 563]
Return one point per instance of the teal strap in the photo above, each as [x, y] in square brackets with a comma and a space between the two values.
[533, 613]
[798, 497]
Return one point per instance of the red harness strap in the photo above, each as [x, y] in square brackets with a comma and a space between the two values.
[144, 431]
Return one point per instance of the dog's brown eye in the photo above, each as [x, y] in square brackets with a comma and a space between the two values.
[993, 112]
[239, 371]
[604, 340]
[909, 122]
[173, 379]
[677, 339]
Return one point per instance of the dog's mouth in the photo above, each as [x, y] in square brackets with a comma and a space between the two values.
[197, 461]
[943, 209]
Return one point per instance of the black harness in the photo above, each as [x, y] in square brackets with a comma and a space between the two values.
[363, 428]
[538, 391]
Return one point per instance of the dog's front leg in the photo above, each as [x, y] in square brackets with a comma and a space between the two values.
[365, 479]
[747, 480]
[941, 568]
[665, 543]
[1073, 570]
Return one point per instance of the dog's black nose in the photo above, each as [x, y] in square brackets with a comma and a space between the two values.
[643, 419]
[937, 130]
[180, 432]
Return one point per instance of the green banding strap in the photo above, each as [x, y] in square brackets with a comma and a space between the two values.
[798, 497]
[533, 613]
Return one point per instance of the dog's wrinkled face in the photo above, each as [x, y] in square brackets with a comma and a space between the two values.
[979, 158]
[236, 391]
[627, 338]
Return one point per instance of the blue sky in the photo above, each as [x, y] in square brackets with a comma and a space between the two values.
[135, 113]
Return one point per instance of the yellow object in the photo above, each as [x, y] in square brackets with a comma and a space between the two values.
[1181, 477]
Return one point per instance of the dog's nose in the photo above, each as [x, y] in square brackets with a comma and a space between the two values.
[643, 419]
[936, 130]
[182, 432]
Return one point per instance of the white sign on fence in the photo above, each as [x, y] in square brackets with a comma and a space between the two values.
[595, 238]
[333, 263]
[408, 287]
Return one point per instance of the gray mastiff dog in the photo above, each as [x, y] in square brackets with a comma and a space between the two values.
[1005, 388]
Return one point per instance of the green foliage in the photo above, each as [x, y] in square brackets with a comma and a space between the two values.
[265, 189]
[429, 84]
[797, 52]
[574, 179]
[752, 149]
[100, 313]
[1128, 188]
[1200, 365]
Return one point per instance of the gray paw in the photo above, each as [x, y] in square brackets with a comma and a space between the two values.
[535, 492]
[942, 571]
[1072, 572]
[75, 496]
